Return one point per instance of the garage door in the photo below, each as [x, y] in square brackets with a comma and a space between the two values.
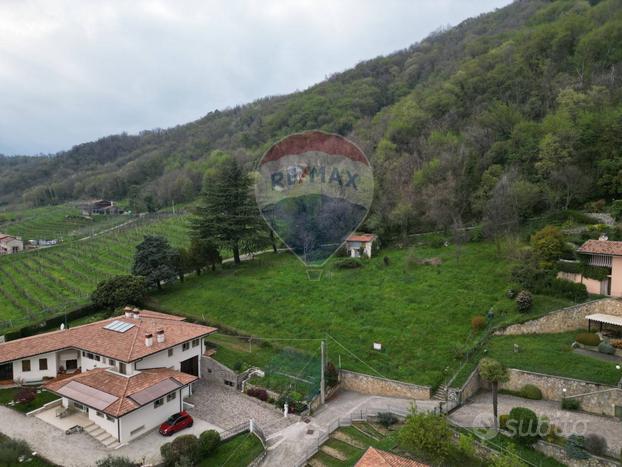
[191, 366]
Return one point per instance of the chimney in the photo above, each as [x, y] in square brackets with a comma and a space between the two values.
[148, 340]
[136, 313]
[160, 336]
[129, 313]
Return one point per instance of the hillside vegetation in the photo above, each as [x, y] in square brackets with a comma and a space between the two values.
[526, 97]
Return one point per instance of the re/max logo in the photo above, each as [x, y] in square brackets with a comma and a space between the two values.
[294, 175]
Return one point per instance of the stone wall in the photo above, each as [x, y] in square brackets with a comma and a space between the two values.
[602, 402]
[566, 319]
[366, 384]
[468, 389]
[558, 452]
[216, 372]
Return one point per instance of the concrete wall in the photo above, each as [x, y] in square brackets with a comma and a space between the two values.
[35, 375]
[566, 319]
[367, 384]
[468, 389]
[558, 452]
[602, 402]
[616, 276]
[110, 426]
[216, 372]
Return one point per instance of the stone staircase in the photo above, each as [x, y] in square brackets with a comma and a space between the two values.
[101, 435]
[440, 394]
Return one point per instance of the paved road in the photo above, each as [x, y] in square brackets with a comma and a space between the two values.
[291, 443]
[478, 412]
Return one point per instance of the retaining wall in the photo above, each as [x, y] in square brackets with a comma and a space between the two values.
[558, 452]
[367, 384]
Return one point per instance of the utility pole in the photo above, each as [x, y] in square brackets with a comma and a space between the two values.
[322, 395]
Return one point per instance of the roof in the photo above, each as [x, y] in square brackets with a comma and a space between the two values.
[117, 395]
[125, 346]
[601, 247]
[376, 458]
[361, 238]
[603, 318]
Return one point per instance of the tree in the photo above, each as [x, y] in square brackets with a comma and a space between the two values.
[494, 372]
[208, 441]
[181, 262]
[548, 245]
[228, 215]
[154, 260]
[120, 291]
[202, 253]
[116, 461]
[427, 434]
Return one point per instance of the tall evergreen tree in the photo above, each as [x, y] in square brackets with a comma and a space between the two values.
[228, 215]
[155, 260]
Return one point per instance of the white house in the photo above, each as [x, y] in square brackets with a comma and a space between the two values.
[360, 244]
[10, 244]
[127, 373]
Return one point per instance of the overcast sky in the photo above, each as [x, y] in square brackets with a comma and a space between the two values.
[74, 71]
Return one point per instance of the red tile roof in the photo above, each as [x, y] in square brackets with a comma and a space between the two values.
[124, 346]
[601, 247]
[361, 238]
[122, 387]
[377, 458]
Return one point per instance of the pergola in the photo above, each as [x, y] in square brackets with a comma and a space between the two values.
[603, 319]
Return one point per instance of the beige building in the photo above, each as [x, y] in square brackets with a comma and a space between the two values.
[603, 253]
[358, 245]
[10, 244]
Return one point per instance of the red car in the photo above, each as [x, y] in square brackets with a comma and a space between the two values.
[175, 423]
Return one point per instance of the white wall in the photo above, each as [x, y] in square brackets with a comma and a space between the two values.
[35, 375]
[103, 422]
[148, 416]
[162, 360]
[88, 363]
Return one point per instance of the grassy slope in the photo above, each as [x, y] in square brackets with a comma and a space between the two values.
[238, 451]
[419, 314]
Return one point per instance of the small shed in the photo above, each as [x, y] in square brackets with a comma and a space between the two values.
[602, 318]
[358, 245]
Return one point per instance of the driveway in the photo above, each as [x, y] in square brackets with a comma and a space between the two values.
[478, 413]
[226, 407]
[80, 449]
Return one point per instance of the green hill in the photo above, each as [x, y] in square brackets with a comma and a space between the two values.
[529, 94]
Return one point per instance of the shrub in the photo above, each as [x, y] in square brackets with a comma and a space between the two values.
[258, 393]
[548, 244]
[26, 394]
[11, 450]
[588, 338]
[606, 348]
[208, 442]
[386, 419]
[570, 404]
[386, 261]
[349, 263]
[331, 375]
[503, 421]
[466, 445]
[616, 209]
[524, 425]
[575, 447]
[428, 434]
[596, 444]
[295, 396]
[524, 301]
[529, 391]
[186, 446]
[565, 289]
[510, 293]
[478, 323]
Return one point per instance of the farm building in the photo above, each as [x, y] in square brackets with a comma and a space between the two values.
[10, 244]
[358, 245]
[101, 206]
[121, 376]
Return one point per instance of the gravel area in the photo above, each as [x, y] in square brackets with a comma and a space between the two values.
[226, 408]
[478, 412]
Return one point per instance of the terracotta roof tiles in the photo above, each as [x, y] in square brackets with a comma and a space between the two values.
[601, 247]
[377, 458]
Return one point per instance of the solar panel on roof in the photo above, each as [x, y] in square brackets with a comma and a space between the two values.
[154, 392]
[87, 395]
[119, 326]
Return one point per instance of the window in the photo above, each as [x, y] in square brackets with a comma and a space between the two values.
[122, 368]
[170, 352]
[100, 414]
[158, 403]
[209, 370]
[80, 407]
[83, 353]
[185, 346]
[89, 356]
[109, 418]
[111, 362]
[25, 365]
[43, 364]
[171, 396]
[229, 383]
[97, 358]
[195, 343]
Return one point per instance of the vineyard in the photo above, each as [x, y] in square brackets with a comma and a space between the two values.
[62, 222]
[46, 282]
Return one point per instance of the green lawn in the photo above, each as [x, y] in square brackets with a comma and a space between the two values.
[42, 398]
[11, 453]
[420, 314]
[238, 451]
[546, 353]
[502, 442]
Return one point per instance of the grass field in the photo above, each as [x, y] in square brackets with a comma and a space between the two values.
[49, 281]
[420, 314]
[238, 451]
[8, 395]
[62, 222]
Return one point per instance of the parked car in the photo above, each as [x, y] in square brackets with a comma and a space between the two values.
[175, 423]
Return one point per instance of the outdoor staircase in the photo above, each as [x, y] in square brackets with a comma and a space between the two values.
[101, 435]
[440, 394]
